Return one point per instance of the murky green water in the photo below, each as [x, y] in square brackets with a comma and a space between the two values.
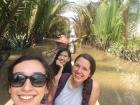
[119, 80]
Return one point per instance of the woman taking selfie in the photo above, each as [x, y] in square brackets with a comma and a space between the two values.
[29, 80]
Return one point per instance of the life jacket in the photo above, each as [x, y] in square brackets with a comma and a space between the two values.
[62, 83]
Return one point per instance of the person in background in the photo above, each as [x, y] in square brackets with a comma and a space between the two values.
[61, 42]
[62, 61]
[61, 64]
[29, 80]
[79, 88]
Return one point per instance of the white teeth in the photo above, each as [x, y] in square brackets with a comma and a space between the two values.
[26, 97]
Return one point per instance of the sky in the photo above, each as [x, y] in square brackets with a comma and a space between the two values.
[82, 1]
[70, 14]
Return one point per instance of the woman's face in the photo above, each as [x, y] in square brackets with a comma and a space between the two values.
[27, 94]
[63, 58]
[81, 70]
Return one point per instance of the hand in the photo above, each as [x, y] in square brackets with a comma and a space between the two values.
[59, 63]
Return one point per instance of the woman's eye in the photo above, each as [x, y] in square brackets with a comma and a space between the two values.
[85, 69]
[65, 56]
[76, 65]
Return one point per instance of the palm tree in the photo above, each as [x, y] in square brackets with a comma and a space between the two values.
[80, 21]
[130, 13]
[108, 24]
[23, 20]
[14, 19]
[48, 12]
[10, 9]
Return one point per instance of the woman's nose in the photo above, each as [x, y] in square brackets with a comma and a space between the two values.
[79, 69]
[61, 56]
[27, 85]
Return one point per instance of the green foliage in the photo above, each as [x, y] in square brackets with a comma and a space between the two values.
[19, 42]
[21, 20]
[47, 14]
[61, 26]
[108, 24]
[133, 44]
[83, 20]
[14, 21]
[14, 42]
[118, 47]
[10, 9]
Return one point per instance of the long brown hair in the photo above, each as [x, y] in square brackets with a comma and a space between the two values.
[87, 88]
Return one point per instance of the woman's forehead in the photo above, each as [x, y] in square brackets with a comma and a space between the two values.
[82, 60]
[29, 67]
[64, 53]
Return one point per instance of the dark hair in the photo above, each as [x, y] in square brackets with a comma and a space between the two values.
[31, 56]
[68, 65]
[87, 83]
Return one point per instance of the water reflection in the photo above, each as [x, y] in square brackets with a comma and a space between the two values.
[130, 97]
[130, 80]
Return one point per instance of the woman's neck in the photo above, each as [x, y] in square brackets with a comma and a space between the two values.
[72, 84]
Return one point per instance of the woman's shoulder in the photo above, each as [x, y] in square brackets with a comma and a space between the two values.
[95, 93]
[95, 84]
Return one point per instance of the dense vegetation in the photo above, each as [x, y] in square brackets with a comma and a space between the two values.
[108, 25]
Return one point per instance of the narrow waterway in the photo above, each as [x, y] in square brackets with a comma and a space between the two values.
[119, 80]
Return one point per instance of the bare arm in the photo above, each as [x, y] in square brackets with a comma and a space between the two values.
[55, 83]
[95, 93]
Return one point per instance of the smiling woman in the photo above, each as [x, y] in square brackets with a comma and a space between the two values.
[79, 82]
[29, 80]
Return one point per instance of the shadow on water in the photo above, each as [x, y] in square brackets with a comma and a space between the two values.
[119, 80]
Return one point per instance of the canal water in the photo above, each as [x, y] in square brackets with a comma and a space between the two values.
[119, 79]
